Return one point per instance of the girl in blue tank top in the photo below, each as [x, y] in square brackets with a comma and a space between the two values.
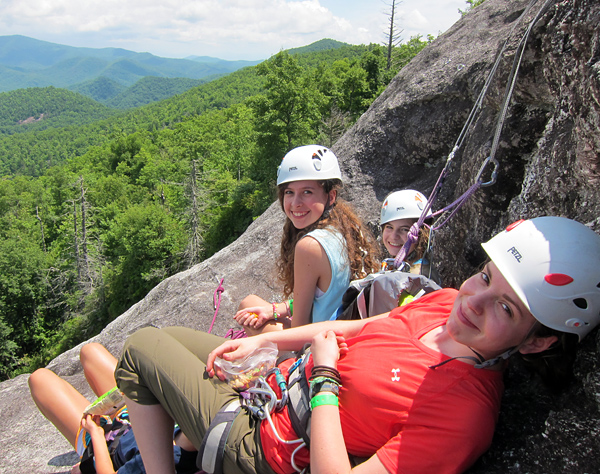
[324, 245]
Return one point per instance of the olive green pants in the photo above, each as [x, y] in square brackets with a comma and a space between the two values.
[167, 367]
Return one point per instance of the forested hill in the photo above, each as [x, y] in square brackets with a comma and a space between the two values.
[31, 153]
[145, 91]
[28, 110]
[94, 215]
[322, 45]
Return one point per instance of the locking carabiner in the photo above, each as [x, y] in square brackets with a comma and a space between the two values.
[494, 172]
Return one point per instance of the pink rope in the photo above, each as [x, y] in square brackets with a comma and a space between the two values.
[236, 333]
[217, 302]
[217, 295]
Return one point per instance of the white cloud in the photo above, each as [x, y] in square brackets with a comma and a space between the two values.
[232, 29]
[416, 19]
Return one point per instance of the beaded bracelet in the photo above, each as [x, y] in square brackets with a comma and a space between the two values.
[325, 398]
[275, 315]
[326, 368]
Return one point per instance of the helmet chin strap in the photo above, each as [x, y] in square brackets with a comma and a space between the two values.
[482, 364]
[328, 207]
[480, 360]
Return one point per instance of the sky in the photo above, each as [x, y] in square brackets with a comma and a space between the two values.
[226, 29]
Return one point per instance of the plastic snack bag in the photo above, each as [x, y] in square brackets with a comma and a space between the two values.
[107, 404]
[241, 374]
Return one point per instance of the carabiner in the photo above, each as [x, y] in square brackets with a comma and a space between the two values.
[494, 172]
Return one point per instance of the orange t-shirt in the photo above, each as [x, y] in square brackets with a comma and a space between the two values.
[415, 418]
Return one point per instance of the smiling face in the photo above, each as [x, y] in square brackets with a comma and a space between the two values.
[304, 202]
[487, 315]
[395, 234]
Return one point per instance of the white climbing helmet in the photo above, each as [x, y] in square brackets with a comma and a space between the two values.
[553, 264]
[405, 204]
[309, 162]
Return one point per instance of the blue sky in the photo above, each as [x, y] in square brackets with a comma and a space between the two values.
[228, 29]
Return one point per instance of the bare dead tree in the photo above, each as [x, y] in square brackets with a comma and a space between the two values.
[198, 203]
[88, 258]
[393, 34]
[195, 242]
[76, 242]
[37, 215]
[333, 126]
[84, 238]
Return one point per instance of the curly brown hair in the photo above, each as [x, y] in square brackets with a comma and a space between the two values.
[362, 250]
[421, 248]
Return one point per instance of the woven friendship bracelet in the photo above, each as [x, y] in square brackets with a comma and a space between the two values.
[324, 384]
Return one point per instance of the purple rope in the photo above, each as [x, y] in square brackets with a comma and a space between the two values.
[413, 233]
[457, 204]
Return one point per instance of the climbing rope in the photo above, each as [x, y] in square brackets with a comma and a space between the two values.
[217, 295]
[217, 302]
[413, 234]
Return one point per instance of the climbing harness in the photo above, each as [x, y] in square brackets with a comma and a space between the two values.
[212, 449]
[490, 166]
[261, 400]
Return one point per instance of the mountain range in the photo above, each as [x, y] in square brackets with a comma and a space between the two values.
[100, 73]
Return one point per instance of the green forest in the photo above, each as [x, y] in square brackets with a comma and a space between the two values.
[100, 204]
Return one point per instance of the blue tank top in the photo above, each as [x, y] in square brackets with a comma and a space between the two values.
[334, 244]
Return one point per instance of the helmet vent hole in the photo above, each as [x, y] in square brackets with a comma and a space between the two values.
[581, 303]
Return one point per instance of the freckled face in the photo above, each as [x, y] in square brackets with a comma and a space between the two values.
[304, 202]
[487, 315]
[395, 234]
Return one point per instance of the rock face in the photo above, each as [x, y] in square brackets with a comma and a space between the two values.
[548, 158]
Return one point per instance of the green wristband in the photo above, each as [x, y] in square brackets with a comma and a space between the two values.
[324, 398]
[291, 303]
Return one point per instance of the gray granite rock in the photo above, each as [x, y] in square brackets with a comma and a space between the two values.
[548, 154]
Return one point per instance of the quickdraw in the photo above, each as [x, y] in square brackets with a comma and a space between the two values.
[479, 183]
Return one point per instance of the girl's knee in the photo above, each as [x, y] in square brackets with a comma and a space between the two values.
[135, 344]
[90, 351]
[249, 301]
[40, 379]
[141, 338]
